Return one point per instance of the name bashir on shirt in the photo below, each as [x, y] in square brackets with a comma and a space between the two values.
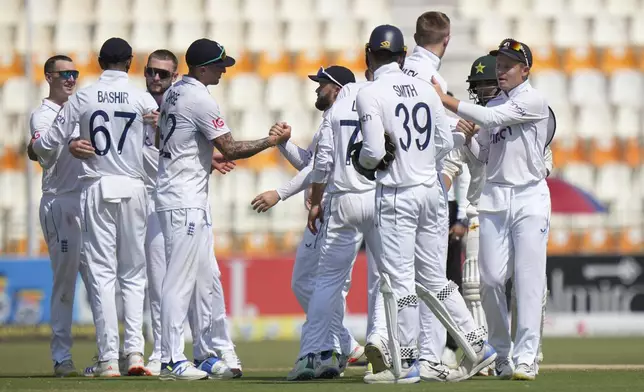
[112, 97]
[405, 90]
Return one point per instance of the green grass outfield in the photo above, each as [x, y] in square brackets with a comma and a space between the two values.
[586, 365]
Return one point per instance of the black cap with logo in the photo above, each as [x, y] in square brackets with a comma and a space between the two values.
[336, 74]
[515, 50]
[115, 50]
[205, 52]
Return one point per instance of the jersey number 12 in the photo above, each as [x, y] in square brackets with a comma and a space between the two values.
[168, 121]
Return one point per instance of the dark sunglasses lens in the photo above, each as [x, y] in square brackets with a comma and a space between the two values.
[68, 74]
[163, 74]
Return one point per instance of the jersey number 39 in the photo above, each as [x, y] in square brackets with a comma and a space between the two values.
[401, 110]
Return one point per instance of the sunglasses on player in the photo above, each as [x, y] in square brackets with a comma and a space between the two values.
[67, 74]
[515, 46]
[323, 74]
[152, 72]
[221, 57]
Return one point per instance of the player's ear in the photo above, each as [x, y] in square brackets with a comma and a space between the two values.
[48, 77]
[416, 39]
[128, 64]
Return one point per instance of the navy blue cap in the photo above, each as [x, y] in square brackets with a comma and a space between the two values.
[115, 50]
[204, 52]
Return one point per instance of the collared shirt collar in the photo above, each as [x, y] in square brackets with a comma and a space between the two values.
[192, 81]
[51, 104]
[113, 75]
[386, 69]
[422, 52]
[518, 89]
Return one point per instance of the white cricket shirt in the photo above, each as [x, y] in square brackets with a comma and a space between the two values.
[425, 65]
[513, 135]
[61, 171]
[409, 109]
[340, 130]
[190, 119]
[110, 115]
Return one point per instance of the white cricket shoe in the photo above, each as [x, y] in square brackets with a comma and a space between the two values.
[409, 374]
[378, 354]
[327, 365]
[303, 370]
[449, 358]
[216, 368]
[136, 365]
[232, 361]
[430, 371]
[154, 367]
[181, 371]
[355, 355]
[65, 368]
[524, 372]
[485, 356]
[504, 369]
[103, 369]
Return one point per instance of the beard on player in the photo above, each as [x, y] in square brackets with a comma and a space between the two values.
[327, 92]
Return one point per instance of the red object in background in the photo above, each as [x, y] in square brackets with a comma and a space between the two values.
[568, 199]
[262, 287]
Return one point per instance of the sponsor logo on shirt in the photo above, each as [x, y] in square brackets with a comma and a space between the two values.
[218, 123]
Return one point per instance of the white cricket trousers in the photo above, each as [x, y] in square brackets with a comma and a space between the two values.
[305, 268]
[60, 222]
[187, 245]
[433, 335]
[349, 219]
[515, 240]
[407, 219]
[208, 321]
[156, 266]
[113, 242]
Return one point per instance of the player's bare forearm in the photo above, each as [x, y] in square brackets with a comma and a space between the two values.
[233, 150]
[447, 181]
[316, 193]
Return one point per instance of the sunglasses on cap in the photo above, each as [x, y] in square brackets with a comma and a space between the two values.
[221, 57]
[323, 74]
[515, 46]
[67, 74]
[152, 72]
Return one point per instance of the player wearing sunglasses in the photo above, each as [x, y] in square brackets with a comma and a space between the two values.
[514, 205]
[59, 210]
[160, 73]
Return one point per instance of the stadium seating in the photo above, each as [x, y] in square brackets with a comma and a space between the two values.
[588, 57]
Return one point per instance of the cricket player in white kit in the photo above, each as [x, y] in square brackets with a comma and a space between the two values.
[407, 198]
[114, 203]
[307, 257]
[514, 206]
[59, 210]
[346, 221]
[432, 37]
[160, 73]
[190, 125]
